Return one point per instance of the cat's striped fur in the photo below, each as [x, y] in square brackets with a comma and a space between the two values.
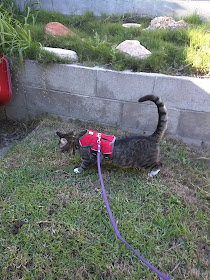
[132, 151]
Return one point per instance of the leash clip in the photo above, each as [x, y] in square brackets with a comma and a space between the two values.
[99, 138]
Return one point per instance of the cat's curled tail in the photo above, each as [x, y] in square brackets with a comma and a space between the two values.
[163, 115]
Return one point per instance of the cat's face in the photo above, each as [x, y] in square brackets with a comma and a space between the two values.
[66, 142]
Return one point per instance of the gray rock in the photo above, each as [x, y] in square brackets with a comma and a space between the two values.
[166, 23]
[62, 53]
[134, 48]
[129, 25]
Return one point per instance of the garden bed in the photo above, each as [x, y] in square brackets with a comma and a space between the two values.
[178, 52]
[175, 52]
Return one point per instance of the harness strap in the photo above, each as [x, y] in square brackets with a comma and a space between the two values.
[163, 276]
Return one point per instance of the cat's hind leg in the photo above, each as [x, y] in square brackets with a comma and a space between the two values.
[77, 170]
[153, 173]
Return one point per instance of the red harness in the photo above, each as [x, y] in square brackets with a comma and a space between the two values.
[91, 137]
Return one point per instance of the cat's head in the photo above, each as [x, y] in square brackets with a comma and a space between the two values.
[66, 142]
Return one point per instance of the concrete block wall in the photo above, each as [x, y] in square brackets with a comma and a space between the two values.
[153, 8]
[110, 98]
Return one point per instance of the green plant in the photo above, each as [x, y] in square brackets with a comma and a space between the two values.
[15, 38]
[198, 51]
[30, 12]
[193, 19]
[11, 6]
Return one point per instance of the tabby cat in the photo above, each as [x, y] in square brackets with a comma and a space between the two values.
[132, 151]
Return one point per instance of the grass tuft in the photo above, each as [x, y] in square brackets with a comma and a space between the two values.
[193, 19]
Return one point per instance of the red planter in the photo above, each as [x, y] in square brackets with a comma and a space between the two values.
[5, 81]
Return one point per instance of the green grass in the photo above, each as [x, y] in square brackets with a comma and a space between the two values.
[69, 235]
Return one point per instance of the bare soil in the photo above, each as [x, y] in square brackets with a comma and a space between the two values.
[11, 131]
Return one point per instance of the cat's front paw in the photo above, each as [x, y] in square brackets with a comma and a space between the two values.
[77, 170]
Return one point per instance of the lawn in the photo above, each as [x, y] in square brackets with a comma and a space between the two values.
[68, 234]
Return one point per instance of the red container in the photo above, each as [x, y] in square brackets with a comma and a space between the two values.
[5, 81]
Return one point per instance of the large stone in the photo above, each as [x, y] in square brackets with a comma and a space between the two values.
[58, 29]
[166, 23]
[62, 53]
[134, 48]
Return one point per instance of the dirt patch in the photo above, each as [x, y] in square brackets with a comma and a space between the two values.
[12, 131]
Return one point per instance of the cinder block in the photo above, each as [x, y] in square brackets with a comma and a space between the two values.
[184, 93]
[16, 109]
[188, 140]
[17, 113]
[52, 102]
[139, 116]
[71, 78]
[95, 109]
[143, 117]
[123, 85]
[31, 74]
[173, 121]
[18, 96]
[2, 113]
[195, 125]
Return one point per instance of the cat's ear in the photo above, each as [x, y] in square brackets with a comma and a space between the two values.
[61, 135]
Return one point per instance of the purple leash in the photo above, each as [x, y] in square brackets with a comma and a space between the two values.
[163, 276]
